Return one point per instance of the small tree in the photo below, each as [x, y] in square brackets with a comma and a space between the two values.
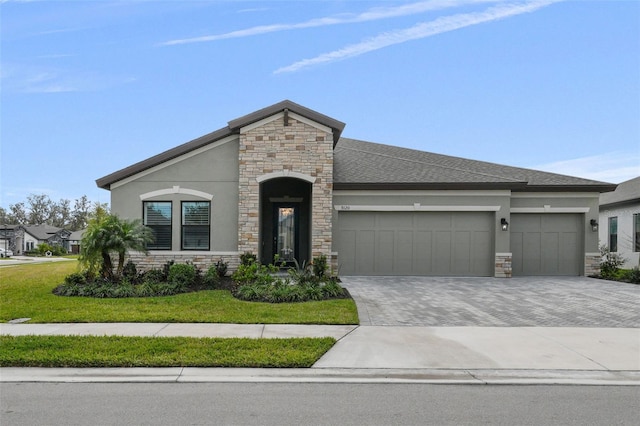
[610, 263]
[107, 234]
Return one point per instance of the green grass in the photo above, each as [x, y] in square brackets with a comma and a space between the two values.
[25, 292]
[117, 351]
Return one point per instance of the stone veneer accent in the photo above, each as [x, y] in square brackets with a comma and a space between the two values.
[503, 265]
[592, 264]
[202, 260]
[272, 147]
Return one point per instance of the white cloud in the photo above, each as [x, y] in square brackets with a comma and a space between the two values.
[419, 31]
[373, 14]
[614, 167]
[35, 79]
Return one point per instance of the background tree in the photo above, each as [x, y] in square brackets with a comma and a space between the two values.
[19, 214]
[40, 209]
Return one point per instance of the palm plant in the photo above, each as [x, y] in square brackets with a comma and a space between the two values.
[107, 234]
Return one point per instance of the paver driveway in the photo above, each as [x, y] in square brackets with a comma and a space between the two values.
[491, 302]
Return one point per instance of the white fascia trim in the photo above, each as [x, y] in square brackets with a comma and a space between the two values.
[504, 254]
[176, 160]
[593, 254]
[176, 190]
[444, 193]
[549, 209]
[415, 208]
[276, 116]
[555, 195]
[285, 173]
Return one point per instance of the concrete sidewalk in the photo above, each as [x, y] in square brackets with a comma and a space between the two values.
[384, 354]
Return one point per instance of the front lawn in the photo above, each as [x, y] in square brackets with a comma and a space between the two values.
[118, 351]
[26, 292]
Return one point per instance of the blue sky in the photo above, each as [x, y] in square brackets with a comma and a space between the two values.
[90, 87]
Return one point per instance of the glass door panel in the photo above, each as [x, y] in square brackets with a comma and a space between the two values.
[286, 233]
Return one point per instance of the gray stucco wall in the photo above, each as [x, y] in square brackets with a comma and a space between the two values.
[213, 170]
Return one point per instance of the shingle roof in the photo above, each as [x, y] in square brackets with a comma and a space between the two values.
[42, 232]
[626, 192]
[366, 165]
[360, 164]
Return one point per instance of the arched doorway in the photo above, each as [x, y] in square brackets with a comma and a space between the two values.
[285, 220]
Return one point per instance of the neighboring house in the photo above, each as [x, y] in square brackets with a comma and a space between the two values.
[282, 181]
[24, 238]
[620, 221]
[9, 234]
[34, 235]
[74, 241]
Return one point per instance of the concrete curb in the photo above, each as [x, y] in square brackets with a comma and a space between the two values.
[319, 375]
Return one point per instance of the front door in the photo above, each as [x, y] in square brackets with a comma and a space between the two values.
[286, 230]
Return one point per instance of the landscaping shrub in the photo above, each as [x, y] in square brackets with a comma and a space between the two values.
[55, 250]
[258, 282]
[154, 276]
[182, 275]
[610, 263]
[320, 266]
[130, 272]
[211, 278]
[221, 268]
[247, 258]
[75, 279]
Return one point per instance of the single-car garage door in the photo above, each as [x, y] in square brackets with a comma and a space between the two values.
[416, 243]
[546, 244]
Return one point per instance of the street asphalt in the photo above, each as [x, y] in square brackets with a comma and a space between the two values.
[558, 352]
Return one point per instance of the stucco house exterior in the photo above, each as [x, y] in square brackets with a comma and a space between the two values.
[24, 238]
[620, 221]
[282, 180]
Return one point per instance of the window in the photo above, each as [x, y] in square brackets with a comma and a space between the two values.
[613, 234]
[157, 216]
[195, 225]
[636, 232]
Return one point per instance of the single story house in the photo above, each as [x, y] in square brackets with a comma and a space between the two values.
[620, 219]
[24, 238]
[282, 181]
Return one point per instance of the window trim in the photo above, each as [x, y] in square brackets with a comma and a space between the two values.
[613, 245]
[151, 227]
[182, 226]
[636, 232]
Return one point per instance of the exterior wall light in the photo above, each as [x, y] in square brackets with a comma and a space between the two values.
[504, 224]
[594, 225]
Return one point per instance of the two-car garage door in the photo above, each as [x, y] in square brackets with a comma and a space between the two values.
[416, 243]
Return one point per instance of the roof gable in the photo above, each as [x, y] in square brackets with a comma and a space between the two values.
[232, 128]
[626, 192]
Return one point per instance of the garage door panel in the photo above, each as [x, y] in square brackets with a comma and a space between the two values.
[384, 251]
[365, 251]
[422, 253]
[546, 244]
[347, 240]
[462, 251]
[404, 251]
[482, 244]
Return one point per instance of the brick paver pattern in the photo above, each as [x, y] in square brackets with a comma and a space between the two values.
[495, 302]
